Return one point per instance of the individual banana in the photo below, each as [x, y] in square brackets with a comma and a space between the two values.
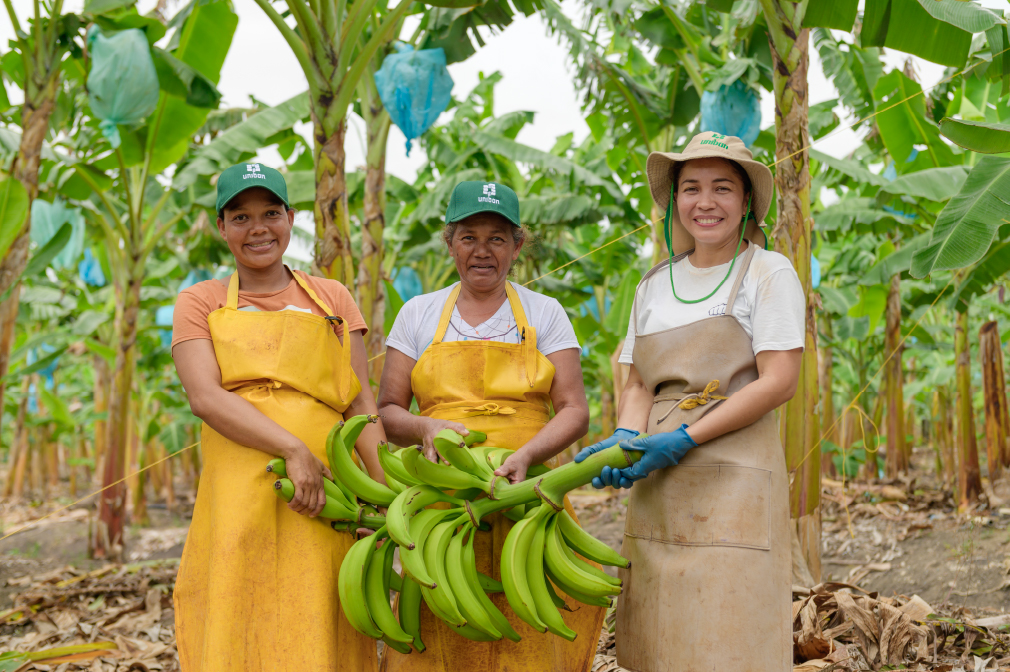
[547, 610]
[558, 601]
[377, 595]
[406, 504]
[489, 585]
[513, 573]
[351, 586]
[357, 481]
[409, 610]
[453, 448]
[587, 545]
[597, 601]
[279, 467]
[440, 598]
[332, 510]
[473, 576]
[395, 485]
[474, 437]
[351, 429]
[466, 593]
[570, 577]
[412, 559]
[392, 465]
[585, 566]
[441, 476]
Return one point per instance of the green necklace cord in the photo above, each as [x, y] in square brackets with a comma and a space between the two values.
[669, 248]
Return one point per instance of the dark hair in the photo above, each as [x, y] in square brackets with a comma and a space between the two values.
[737, 168]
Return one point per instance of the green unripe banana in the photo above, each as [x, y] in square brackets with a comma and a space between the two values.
[332, 510]
[357, 481]
[409, 610]
[587, 545]
[547, 611]
[279, 467]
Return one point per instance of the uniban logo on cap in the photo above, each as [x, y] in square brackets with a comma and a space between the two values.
[714, 140]
[252, 170]
[488, 196]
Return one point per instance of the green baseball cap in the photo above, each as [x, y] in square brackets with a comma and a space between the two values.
[469, 198]
[233, 181]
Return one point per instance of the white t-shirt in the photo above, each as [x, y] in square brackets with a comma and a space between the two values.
[769, 306]
[415, 325]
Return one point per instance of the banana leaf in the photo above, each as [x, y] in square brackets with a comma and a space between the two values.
[984, 275]
[934, 184]
[978, 136]
[13, 210]
[968, 224]
[837, 14]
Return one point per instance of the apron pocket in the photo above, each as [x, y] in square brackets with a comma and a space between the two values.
[703, 505]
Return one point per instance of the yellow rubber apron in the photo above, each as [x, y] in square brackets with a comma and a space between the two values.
[709, 538]
[257, 587]
[502, 389]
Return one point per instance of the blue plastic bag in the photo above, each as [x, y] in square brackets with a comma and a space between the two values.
[815, 272]
[732, 110]
[415, 87]
[47, 218]
[407, 283]
[163, 318]
[90, 270]
[122, 84]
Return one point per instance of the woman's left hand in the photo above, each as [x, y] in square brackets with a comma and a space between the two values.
[514, 467]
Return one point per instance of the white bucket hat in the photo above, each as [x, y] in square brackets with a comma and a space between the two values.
[659, 169]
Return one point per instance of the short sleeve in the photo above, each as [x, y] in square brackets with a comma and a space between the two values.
[555, 331]
[779, 312]
[403, 334]
[629, 342]
[189, 320]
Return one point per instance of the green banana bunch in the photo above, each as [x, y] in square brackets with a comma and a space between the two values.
[544, 553]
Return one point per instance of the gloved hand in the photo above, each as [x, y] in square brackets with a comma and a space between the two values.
[604, 479]
[661, 450]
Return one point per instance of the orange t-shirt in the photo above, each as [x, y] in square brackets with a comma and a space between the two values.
[196, 303]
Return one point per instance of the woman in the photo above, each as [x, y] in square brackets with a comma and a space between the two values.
[715, 342]
[490, 356]
[271, 360]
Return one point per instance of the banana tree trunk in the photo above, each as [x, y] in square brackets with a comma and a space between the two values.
[825, 377]
[35, 115]
[994, 386]
[944, 435]
[790, 45]
[969, 479]
[14, 455]
[371, 288]
[333, 256]
[108, 539]
[893, 377]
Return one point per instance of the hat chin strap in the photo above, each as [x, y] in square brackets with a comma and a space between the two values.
[668, 226]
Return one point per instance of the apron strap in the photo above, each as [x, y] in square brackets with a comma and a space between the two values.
[312, 295]
[232, 301]
[527, 333]
[744, 265]
[443, 321]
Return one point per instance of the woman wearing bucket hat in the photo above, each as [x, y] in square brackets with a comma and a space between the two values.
[495, 357]
[714, 343]
[271, 359]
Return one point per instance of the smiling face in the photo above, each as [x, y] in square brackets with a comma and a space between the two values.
[711, 201]
[483, 247]
[257, 228]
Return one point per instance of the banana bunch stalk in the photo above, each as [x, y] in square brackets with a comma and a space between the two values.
[542, 556]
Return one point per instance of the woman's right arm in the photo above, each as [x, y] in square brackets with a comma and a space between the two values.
[236, 419]
[636, 403]
[404, 428]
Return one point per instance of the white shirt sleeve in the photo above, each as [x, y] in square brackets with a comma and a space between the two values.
[554, 330]
[628, 350]
[779, 313]
[406, 328]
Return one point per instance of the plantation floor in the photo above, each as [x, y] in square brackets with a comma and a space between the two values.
[889, 539]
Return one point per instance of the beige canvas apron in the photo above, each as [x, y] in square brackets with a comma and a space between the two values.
[709, 585]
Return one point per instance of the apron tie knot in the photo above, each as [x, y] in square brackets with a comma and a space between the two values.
[696, 400]
[490, 408]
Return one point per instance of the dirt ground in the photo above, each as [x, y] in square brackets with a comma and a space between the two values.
[889, 539]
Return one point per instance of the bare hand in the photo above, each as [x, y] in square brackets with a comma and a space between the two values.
[514, 467]
[432, 427]
[307, 473]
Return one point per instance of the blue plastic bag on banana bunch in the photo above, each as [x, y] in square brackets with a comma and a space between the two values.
[90, 270]
[47, 218]
[122, 84]
[732, 110]
[415, 87]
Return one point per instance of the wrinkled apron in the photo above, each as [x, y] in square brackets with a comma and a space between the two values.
[502, 389]
[708, 539]
[257, 587]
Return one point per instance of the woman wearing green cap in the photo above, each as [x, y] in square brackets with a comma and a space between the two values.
[714, 343]
[495, 357]
[271, 359]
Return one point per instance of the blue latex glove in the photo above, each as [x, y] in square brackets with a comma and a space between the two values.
[606, 476]
[661, 450]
